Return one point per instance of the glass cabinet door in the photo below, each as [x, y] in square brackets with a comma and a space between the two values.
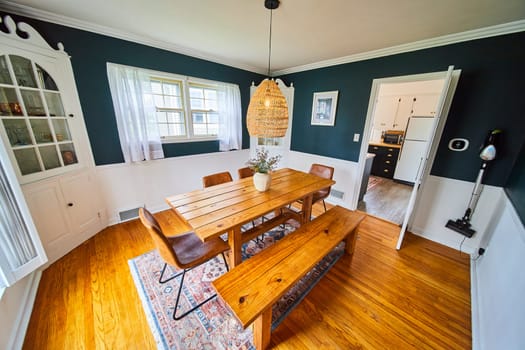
[32, 115]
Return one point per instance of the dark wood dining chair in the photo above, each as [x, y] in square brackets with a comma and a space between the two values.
[245, 172]
[326, 172]
[216, 179]
[184, 251]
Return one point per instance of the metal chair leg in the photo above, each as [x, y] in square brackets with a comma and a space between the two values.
[181, 285]
[225, 262]
[324, 204]
[169, 279]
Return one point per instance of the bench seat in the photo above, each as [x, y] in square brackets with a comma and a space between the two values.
[251, 288]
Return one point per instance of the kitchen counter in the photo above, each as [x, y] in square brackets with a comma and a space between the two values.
[382, 144]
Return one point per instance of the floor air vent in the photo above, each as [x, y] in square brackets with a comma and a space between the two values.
[337, 194]
[129, 214]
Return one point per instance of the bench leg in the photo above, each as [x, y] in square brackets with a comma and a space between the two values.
[350, 242]
[262, 328]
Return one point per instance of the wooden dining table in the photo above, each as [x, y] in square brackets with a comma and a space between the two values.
[225, 208]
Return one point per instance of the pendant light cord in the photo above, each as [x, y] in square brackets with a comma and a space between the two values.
[270, 44]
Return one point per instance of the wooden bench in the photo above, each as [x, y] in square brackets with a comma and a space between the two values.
[251, 288]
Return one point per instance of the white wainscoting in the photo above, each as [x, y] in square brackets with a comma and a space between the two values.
[345, 174]
[15, 307]
[498, 285]
[128, 186]
[443, 199]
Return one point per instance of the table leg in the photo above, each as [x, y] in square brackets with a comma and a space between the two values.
[235, 242]
[307, 208]
[262, 328]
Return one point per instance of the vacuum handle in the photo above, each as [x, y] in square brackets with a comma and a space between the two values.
[476, 191]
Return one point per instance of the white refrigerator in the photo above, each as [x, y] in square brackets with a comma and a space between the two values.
[417, 135]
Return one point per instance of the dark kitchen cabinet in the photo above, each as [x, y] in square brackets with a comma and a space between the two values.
[385, 160]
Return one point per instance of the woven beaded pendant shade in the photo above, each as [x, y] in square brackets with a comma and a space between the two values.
[268, 111]
[267, 114]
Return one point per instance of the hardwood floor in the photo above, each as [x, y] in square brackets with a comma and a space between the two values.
[387, 200]
[415, 298]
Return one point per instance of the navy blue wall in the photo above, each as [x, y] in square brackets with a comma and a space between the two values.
[89, 54]
[490, 95]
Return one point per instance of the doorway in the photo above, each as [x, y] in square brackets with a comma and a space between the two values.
[415, 171]
[393, 154]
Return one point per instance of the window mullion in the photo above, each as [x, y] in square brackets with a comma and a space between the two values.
[187, 108]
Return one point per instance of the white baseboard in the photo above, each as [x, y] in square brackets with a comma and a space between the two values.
[16, 341]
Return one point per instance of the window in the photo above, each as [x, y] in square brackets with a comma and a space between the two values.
[186, 110]
[168, 99]
[153, 107]
[204, 111]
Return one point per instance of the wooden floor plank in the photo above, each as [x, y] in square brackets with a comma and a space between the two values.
[415, 298]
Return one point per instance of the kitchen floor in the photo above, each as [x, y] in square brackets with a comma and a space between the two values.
[386, 199]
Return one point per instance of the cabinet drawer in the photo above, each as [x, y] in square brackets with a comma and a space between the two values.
[387, 171]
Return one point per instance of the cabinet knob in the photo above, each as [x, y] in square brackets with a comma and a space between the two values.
[70, 115]
[385, 170]
[69, 204]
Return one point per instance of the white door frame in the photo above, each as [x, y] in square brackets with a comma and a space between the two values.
[376, 83]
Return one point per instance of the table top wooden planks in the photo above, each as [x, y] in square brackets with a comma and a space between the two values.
[214, 210]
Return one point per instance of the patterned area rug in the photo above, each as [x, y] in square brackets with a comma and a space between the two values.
[212, 326]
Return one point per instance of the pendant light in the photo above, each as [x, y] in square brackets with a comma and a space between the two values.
[268, 111]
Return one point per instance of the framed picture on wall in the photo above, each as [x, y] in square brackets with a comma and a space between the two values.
[323, 108]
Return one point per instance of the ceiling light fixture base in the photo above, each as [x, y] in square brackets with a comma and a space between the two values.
[271, 4]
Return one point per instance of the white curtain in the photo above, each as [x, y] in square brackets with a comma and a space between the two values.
[230, 118]
[135, 112]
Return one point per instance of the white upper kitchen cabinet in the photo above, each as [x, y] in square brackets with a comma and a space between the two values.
[43, 131]
[425, 105]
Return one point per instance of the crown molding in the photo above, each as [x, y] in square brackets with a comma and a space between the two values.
[500, 29]
[23, 10]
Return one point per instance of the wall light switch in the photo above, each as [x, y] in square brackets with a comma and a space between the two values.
[356, 137]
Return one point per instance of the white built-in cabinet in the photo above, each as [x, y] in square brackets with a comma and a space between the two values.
[43, 131]
[393, 112]
[65, 210]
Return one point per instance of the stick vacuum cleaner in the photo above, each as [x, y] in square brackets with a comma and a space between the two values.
[487, 153]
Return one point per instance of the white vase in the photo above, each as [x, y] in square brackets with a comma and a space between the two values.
[262, 181]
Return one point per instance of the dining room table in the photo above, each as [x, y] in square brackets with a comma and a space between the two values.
[232, 207]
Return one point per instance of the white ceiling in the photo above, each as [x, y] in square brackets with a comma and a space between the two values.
[305, 32]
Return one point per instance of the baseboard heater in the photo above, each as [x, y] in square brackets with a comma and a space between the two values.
[337, 194]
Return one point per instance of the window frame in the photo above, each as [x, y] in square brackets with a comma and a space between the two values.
[185, 83]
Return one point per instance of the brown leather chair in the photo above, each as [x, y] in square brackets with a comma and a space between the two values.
[245, 172]
[184, 251]
[216, 179]
[326, 172]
